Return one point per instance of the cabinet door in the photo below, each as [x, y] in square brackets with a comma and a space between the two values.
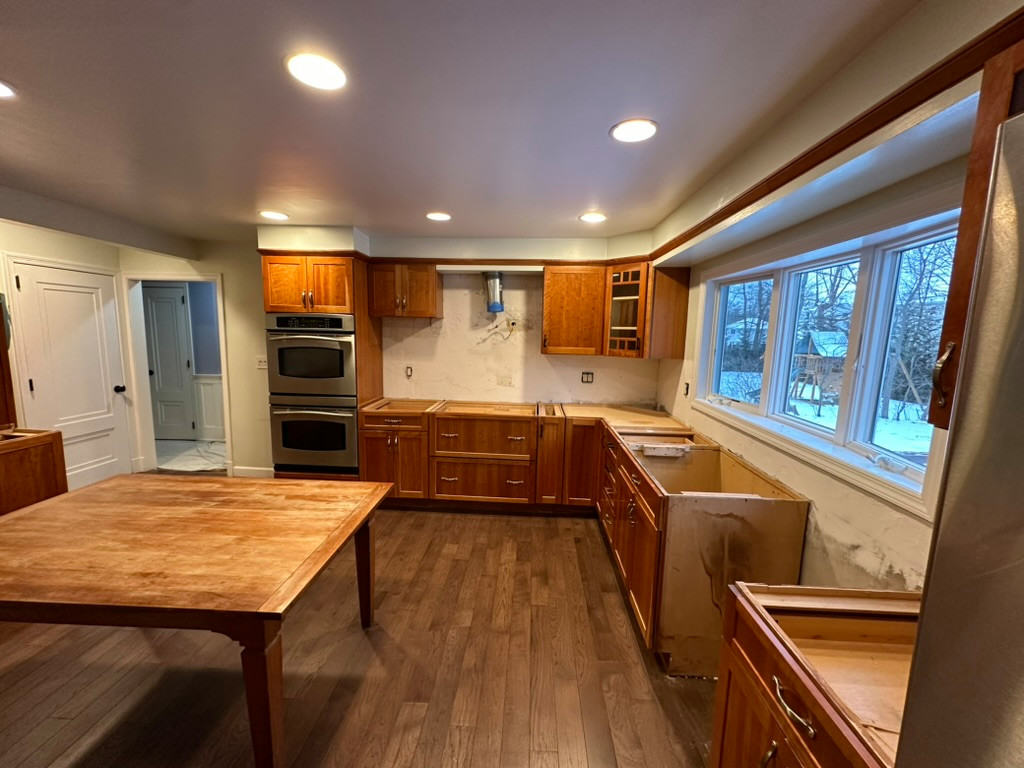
[748, 736]
[410, 464]
[421, 296]
[643, 575]
[329, 281]
[284, 284]
[376, 457]
[582, 461]
[384, 290]
[574, 310]
[550, 460]
[627, 310]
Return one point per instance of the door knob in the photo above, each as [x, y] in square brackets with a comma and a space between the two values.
[120, 388]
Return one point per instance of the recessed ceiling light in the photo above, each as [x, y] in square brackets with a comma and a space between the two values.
[316, 71]
[6, 92]
[593, 217]
[274, 215]
[439, 216]
[636, 129]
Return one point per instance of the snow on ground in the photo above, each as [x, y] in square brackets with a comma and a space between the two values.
[910, 437]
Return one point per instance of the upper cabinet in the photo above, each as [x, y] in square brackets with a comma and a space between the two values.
[632, 310]
[405, 290]
[307, 284]
[626, 298]
[574, 310]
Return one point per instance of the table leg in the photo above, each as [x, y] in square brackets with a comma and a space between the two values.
[364, 570]
[263, 670]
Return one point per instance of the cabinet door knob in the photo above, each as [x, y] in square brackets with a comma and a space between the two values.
[304, 299]
[312, 302]
[405, 302]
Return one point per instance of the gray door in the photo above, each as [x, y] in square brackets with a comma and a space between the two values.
[168, 346]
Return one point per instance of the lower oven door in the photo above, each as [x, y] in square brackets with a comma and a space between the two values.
[314, 437]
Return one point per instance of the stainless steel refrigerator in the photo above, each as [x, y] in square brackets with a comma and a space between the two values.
[965, 705]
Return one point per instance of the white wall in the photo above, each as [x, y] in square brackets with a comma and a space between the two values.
[472, 354]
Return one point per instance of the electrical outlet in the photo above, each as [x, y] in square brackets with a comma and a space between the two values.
[408, 371]
[261, 363]
[587, 377]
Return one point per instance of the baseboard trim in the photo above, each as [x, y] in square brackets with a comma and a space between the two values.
[237, 471]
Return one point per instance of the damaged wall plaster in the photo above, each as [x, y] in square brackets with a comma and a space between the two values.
[471, 354]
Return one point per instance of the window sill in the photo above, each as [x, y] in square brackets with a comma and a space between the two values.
[842, 463]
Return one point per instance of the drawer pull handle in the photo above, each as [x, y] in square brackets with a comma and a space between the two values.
[789, 710]
[513, 437]
[449, 434]
[449, 479]
[634, 478]
[515, 482]
[768, 755]
[392, 421]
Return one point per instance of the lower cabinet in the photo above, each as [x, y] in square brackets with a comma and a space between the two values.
[582, 460]
[395, 457]
[478, 480]
[644, 568]
[550, 453]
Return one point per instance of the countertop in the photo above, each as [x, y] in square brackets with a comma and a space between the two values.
[626, 418]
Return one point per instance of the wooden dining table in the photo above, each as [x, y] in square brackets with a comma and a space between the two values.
[228, 555]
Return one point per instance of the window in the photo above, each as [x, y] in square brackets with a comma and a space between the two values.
[922, 274]
[819, 330]
[835, 348]
[742, 337]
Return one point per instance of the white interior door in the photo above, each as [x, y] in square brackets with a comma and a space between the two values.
[169, 349]
[69, 353]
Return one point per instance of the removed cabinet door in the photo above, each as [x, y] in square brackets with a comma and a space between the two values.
[574, 310]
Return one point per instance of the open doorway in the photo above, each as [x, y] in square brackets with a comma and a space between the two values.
[183, 346]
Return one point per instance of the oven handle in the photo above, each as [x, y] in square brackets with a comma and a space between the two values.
[340, 338]
[332, 414]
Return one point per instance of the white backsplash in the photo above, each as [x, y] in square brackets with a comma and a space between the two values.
[472, 354]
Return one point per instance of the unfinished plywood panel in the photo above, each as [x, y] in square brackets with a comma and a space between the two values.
[713, 539]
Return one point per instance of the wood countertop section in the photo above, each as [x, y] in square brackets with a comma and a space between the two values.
[401, 405]
[625, 417]
[465, 408]
[158, 543]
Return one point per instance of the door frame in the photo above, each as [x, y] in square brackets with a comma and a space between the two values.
[140, 412]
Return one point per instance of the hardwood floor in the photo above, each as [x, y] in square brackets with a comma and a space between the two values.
[499, 641]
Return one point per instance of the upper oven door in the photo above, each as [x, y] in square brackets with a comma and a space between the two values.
[309, 364]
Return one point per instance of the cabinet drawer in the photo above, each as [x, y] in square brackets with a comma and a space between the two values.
[505, 481]
[392, 420]
[640, 483]
[768, 667]
[485, 438]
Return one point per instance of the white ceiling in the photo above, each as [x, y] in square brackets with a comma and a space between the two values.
[178, 114]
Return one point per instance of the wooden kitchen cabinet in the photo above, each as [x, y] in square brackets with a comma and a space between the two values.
[300, 284]
[488, 481]
[821, 673]
[550, 452]
[581, 474]
[395, 457]
[626, 314]
[574, 310]
[645, 566]
[405, 290]
[31, 467]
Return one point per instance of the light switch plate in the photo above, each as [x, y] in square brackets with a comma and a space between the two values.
[261, 363]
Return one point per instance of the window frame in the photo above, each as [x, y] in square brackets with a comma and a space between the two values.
[848, 449]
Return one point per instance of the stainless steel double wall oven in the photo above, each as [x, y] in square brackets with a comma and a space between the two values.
[311, 365]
